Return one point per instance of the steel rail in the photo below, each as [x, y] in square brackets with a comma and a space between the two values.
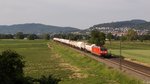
[127, 67]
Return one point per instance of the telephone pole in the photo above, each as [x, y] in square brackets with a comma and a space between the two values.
[120, 54]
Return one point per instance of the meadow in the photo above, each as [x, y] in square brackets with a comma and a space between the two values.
[64, 63]
[137, 51]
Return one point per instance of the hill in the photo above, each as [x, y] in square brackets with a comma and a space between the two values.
[122, 24]
[121, 27]
[34, 28]
[143, 26]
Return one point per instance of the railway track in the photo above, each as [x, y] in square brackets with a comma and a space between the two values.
[139, 67]
[131, 66]
[137, 70]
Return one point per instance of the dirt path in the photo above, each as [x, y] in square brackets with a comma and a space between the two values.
[66, 66]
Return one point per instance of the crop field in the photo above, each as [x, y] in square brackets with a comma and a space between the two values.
[137, 51]
[64, 63]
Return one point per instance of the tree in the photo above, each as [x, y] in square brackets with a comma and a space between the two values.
[11, 71]
[123, 38]
[9, 36]
[6, 36]
[46, 36]
[131, 35]
[11, 67]
[32, 36]
[109, 36]
[19, 35]
[97, 38]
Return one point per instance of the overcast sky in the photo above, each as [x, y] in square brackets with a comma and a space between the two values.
[75, 13]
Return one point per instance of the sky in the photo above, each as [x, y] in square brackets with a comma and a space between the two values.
[74, 13]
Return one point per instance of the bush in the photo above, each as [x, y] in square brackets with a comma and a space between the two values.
[48, 80]
[11, 67]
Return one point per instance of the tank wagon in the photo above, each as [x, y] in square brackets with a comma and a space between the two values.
[96, 50]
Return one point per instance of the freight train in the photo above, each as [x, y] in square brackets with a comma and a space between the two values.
[96, 50]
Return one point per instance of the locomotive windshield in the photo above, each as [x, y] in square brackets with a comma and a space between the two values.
[103, 49]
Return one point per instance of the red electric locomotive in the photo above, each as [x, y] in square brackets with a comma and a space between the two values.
[100, 51]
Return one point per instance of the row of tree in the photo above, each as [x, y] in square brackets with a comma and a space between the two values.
[96, 36]
[21, 35]
[99, 38]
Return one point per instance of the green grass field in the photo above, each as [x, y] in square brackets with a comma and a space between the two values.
[139, 51]
[63, 62]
